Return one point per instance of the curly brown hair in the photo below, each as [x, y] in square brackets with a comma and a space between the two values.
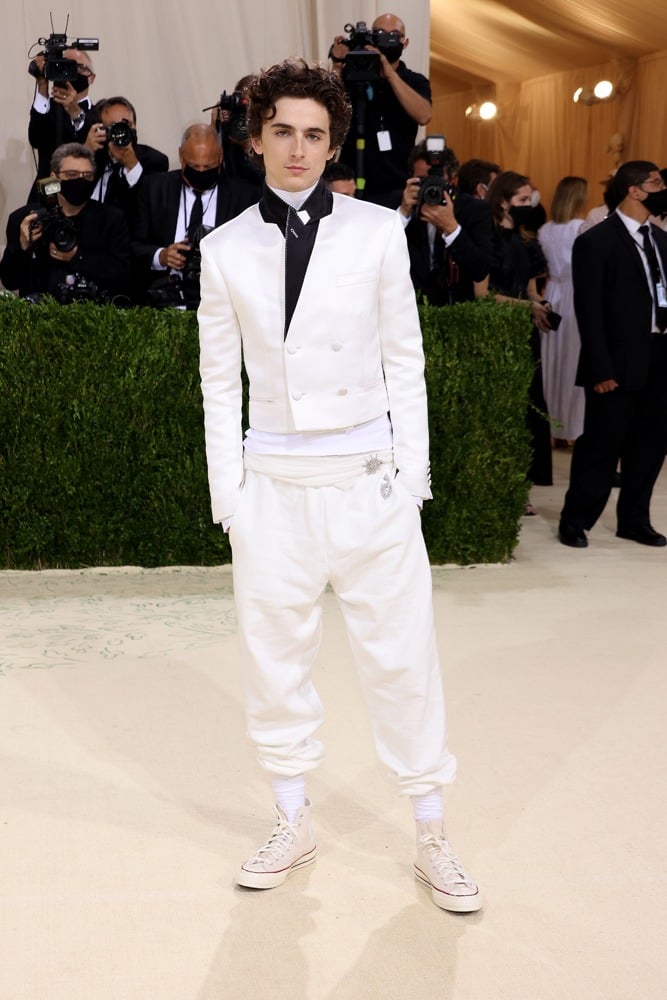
[297, 78]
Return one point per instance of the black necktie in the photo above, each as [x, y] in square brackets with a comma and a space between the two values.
[196, 218]
[112, 192]
[299, 230]
[656, 277]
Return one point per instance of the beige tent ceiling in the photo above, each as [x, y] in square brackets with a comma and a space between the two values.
[477, 42]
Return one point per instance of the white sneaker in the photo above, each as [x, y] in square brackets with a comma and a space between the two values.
[290, 846]
[438, 867]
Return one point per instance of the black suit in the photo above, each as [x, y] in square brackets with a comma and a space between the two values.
[450, 276]
[48, 131]
[613, 305]
[158, 205]
[120, 194]
[103, 253]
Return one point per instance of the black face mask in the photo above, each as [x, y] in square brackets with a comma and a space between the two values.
[656, 202]
[530, 217]
[77, 192]
[201, 180]
[81, 83]
[392, 53]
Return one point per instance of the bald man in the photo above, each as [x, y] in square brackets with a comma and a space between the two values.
[175, 208]
[389, 109]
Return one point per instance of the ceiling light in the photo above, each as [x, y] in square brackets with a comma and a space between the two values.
[584, 95]
[603, 89]
[484, 112]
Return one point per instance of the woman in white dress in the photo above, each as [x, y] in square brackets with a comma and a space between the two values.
[560, 348]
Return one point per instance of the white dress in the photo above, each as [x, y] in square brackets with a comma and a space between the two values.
[560, 348]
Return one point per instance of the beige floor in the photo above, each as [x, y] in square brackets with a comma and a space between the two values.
[130, 794]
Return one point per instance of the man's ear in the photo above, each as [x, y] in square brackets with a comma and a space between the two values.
[256, 143]
[406, 43]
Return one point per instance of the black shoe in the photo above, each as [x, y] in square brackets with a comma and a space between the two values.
[570, 535]
[644, 534]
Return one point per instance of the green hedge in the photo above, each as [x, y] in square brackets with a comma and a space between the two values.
[101, 436]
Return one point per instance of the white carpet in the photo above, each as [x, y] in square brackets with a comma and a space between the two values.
[130, 794]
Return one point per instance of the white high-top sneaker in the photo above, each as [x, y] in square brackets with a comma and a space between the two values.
[289, 847]
[438, 867]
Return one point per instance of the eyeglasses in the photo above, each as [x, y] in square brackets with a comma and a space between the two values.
[83, 70]
[72, 175]
[656, 183]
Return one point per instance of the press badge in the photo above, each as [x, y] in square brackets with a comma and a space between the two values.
[384, 141]
[662, 296]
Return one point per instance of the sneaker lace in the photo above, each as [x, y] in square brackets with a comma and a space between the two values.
[445, 862]
[280, 840]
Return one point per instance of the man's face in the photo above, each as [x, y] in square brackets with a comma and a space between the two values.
[74, 167]
[84, 65]
[420, 169]
[653, 182]
[344, 186]
[200, 154]
[295, 144]
[117, 113]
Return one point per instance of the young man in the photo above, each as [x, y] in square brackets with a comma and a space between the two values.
[314, 289]
[619, 271]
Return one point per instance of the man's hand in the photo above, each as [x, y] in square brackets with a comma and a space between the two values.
[607, 386]
[125, 155]
[27, 233]
[62, 256]
[96, 138]
[66, 96]
[42, 82]
[337, 54]
[410, 195]
[441, 216]
[174, 256]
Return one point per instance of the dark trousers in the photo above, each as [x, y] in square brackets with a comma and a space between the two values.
[632, 427]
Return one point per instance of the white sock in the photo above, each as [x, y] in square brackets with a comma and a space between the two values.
[290, 794]
[427, 807]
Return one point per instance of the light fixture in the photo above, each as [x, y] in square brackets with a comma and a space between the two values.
[484, 112]
[602, 91]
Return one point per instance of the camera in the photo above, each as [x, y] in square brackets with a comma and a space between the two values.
[56, 68]
[234, 123]
[433, 187]
[181, 291]
[121, 133]
[76, 288]
[56, 227]
[360, 66]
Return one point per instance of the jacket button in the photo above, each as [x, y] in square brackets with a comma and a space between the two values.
[342, 392]
[336, 347]
[297, 395]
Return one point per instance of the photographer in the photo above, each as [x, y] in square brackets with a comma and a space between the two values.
[449, 234]
[74, 248]
[393, 106]
[61, 113]
[121, 162]
[175, 209]
[228, 117]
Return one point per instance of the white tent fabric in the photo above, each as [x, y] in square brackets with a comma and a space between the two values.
[171, 59]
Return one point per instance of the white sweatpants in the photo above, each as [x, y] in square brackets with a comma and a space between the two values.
[288, 540]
